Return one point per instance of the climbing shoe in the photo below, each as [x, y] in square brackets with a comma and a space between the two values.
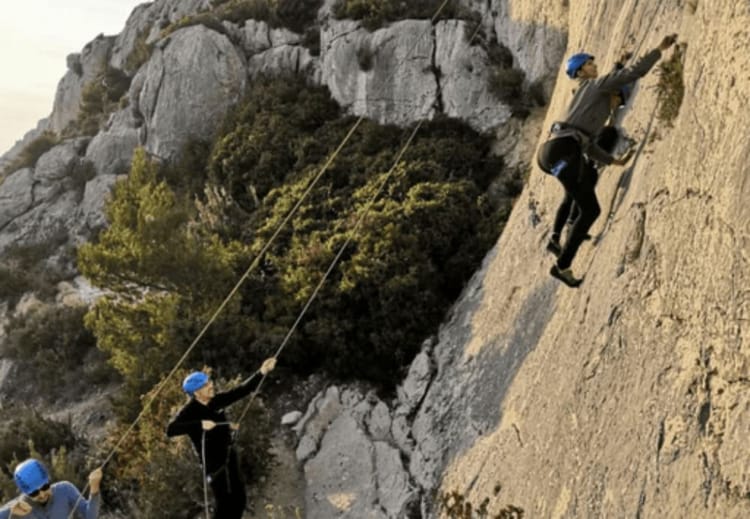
[554, 247]
[566, 276]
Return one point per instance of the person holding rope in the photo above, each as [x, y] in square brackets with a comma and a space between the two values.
[58, 500]
[567, 153]
[203, 419]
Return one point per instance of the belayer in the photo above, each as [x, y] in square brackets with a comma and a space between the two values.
[42, 499]
[568, 153]
[203, 419]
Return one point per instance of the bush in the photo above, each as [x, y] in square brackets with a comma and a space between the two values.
[377, 13]
[670, 89]
[261, 141]
[81, 173]
[298, 15]
[14, 284]
[24, 269]
[165, 276]
[56, 354]
[365, 57]
[418, 246]
[31, 153]
[141, 52]
[99, 98]
[168, 265]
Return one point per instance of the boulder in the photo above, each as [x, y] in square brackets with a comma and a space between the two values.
[111, 150]
[91, 209]
[465, 78]
[386, 75]
[16, 195]
[283, 60]
[291, 418]
[191, 81]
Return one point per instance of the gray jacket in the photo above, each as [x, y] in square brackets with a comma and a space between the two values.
[590, 108]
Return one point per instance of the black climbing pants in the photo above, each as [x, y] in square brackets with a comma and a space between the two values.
[563, 158]
[606, 140]
[229, 490]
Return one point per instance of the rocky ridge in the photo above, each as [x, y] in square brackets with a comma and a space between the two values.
[194, 76]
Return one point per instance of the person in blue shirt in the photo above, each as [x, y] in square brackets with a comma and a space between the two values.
[41, 499]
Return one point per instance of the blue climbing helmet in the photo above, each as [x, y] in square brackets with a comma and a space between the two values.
[575, 62]
[194, 381]
[30, 476]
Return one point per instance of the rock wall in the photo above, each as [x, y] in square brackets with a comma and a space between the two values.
[405, 72]
[628, 396]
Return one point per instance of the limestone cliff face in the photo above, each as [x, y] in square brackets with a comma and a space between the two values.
[627, 397]
[190, 80]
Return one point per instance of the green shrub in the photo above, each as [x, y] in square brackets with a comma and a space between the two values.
[164, 275]
[56, 354]
[14, 284]
[141, 52]
[298, 15]
[670, 89]
[311, 40]
[24, 268]
[99, 98]
[507, 83]
[235, 11]
[207, 19]
[80, 173]
[377, 13]
[31, 153]
[260, 143]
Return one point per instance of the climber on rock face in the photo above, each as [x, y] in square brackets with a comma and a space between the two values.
[40, 498]
[572, 145]
[607, 139]
[203, 419]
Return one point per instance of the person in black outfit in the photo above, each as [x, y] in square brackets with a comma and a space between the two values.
[568, 211]
[203, 419]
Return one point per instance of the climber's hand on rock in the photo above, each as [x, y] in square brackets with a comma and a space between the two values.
[667, 42]
[625, 158]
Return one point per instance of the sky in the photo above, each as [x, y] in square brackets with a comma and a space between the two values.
[35, 38]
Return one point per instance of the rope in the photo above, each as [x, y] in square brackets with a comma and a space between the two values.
[250, 269]
[335, 261]
[205, 475]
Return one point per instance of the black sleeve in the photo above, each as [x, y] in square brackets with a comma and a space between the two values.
[184, 423]
[227, 398]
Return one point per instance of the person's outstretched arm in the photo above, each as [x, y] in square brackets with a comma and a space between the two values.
[222, 400]
[615, 81]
